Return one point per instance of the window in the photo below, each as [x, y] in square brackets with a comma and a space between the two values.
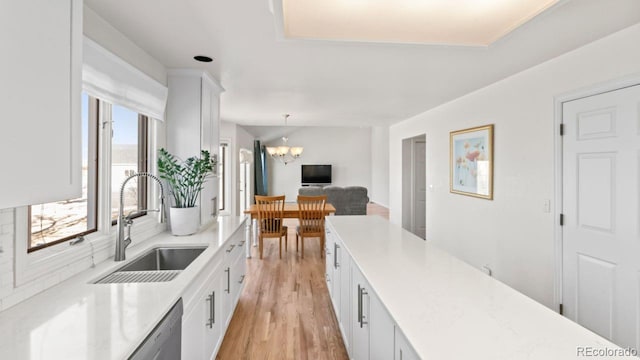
[223, 167]
[55, 222]
[129, 149]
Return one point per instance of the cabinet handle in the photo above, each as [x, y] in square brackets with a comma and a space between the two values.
[241, 279]
[228, 271]
[363, 292]
[335, 255]
[400, 354]
[360, 305]
[212, 305]
[230, 249]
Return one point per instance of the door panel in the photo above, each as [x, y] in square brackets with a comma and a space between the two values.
[595, 183]
[601, 238]
[595, 294]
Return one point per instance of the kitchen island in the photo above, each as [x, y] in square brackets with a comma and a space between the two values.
[397, 296]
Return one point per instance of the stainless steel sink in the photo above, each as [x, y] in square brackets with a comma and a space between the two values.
[156, 265]
[164, 258]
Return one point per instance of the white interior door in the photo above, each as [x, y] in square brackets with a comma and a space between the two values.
[419, 189]
[601, 237]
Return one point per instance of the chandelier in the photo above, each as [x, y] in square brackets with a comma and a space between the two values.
[285, 153]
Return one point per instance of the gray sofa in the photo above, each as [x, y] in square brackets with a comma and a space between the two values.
[348, 200]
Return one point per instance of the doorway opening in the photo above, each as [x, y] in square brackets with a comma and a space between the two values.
[244, 188]
[414, 194]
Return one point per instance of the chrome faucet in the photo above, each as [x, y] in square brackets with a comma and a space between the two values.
[125, 222]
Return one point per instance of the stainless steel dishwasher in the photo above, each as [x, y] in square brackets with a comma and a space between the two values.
[164, 342]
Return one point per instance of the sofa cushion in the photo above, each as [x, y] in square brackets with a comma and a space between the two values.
[335, 196]
[311, 191]
[355, 200]
[350, 200]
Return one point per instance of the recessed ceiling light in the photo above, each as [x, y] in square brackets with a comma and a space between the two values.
[203, 58]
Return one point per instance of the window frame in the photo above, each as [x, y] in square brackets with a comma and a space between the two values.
[222, 190]
[143, 165]
[227, 167]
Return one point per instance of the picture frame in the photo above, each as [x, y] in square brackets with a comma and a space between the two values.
[471, 162]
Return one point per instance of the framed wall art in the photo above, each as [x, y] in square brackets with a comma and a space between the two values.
[471, 162]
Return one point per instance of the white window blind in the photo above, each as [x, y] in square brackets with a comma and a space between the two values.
[108, 77]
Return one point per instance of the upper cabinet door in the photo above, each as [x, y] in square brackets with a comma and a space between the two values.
[40, 95]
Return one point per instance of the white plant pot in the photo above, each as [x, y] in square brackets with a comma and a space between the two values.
[184, 221]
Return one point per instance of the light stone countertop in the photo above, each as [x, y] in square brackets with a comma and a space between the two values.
[79, 320]
[449, 310]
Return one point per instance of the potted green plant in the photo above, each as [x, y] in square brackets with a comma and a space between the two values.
[185, 180]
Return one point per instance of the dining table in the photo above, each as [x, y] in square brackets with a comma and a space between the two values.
[291, 211]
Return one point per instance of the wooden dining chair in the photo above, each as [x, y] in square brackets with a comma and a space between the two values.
[270, 215]
[311, 217]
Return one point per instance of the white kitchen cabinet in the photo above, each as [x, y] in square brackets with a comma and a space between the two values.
[381, 330]
[40, 99]
[373, 327]
[328, 263]
[360, 321]
[202, 323]
[403, 350]
[211, 299]
[368, 330]
[345, 319]
[337, 274]
[193, 124]
[233, 275]
[239, 274]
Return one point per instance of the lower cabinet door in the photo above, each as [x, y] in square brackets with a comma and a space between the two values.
[237, 281]
[403, 351]
[346, 314]
[381, 330]
[360, 318]
[328, 263]
[201, 328]
[213, 327]
[193, 323]
[227, 297]
[335, 263]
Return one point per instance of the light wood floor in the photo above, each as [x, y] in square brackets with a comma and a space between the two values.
[285, 311]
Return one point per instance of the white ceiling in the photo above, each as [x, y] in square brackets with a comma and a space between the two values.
[460, 22]
[339, 83]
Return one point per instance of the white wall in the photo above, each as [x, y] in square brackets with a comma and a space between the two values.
[239, 138]
[379, 192]
[347, 149]
[511, 233]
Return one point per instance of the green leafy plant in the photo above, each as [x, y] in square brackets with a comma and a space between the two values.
[185, 178]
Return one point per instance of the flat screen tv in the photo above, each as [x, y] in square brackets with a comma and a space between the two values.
[316, 174]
